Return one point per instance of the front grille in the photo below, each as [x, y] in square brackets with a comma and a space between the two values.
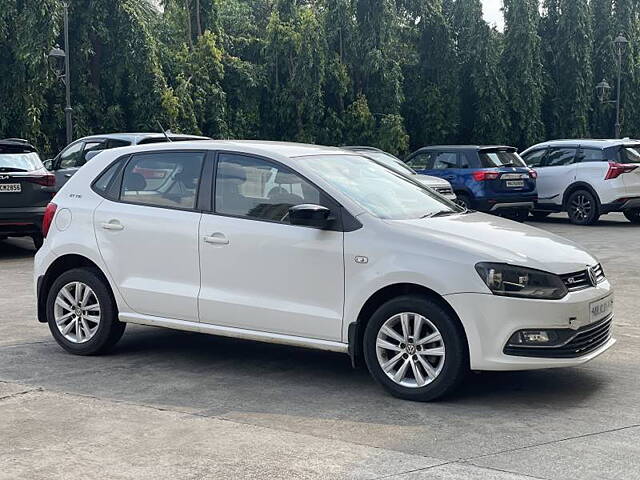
[581, 280]
[585, 340]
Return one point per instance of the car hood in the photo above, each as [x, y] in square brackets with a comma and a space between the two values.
[430, 181]
[481, 237]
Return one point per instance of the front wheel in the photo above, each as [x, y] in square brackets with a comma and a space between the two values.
[633, 215]
[415, 349]
[82, 314]
[463, 200]
[583, 208]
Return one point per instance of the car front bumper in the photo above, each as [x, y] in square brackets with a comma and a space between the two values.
[21, 221]
[490, 321]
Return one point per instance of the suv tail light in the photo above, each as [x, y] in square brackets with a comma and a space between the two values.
[49, 213]
[46, 180]
[617, 169]
[482, 175]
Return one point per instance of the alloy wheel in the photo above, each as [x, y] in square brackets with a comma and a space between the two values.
[581, 207]
[410, 350]
[77, 312]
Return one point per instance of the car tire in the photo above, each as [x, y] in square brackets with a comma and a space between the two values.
[37, 241]
[583, 208]
[633, 215]
[463, 200]
[418, 382]
[539, 214]
[84, 331]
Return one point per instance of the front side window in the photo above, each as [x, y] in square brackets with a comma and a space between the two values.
[535, 159]
[258, 189]
[500, 158]
[420, 161]
[70, 157]
[630, 154]
[90, 147]
[377, 189]
[167, 179]
[560, 156]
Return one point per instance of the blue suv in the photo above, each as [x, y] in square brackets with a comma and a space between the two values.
[486, 178]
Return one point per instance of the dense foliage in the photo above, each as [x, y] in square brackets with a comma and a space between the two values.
[397, 74]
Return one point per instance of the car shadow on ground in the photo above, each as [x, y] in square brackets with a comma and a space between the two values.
[617, 221]
[16, 248]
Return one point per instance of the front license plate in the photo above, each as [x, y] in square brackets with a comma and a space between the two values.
[10, 188]
[601, 309]
[515, 183]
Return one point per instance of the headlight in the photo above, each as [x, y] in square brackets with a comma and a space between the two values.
[512, 281]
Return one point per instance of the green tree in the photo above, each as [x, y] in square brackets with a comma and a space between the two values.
[523, 71]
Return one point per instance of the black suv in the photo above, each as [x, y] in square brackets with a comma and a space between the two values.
[26, 187]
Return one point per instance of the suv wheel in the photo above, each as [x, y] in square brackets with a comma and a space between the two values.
[82, 314]
[633, 215]
[583, 208]
[414, 349]
[463, 200]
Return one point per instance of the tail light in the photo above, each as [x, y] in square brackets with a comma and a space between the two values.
[49, 213]
[617, 169]
[533, 174]
[482, 175]
[46, 180]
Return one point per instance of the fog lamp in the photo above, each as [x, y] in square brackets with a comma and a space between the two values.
[534, 337]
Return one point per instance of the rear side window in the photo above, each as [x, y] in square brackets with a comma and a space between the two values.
[534, 159]
[105, 182]
[591, 155]
[113, 143]
[91, 146]
[445, 160]
[167, 179]
[560, 156]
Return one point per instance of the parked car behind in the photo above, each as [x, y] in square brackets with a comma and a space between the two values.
[77, 153]
[440, 185]
[587, 178]
[486, 178]
[26, 187]
[317, 247]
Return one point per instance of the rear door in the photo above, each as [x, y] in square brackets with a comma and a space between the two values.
[448, 165]
[148, 233]
[68, 162]
[630, 155]
[557, 172]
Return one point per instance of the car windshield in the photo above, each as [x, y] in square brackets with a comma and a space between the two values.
[379, 190]
[390, 161]
[631, 154]
[19, 162]
[500, 158]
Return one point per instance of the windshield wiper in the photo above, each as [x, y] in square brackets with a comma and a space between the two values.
[439, 213]
[12, 169]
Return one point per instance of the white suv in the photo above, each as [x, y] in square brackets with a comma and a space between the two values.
[587, 178]
[316, 247]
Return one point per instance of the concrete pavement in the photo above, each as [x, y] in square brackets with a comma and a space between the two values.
[169, 404]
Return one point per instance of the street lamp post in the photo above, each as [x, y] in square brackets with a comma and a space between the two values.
[59, 59]
[603, 87]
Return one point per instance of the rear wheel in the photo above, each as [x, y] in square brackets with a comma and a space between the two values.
[583, 208]
[414, 349]
[82, 314]
[463, 200]
[633, 215]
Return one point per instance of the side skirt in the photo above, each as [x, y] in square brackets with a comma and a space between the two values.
[234, 332]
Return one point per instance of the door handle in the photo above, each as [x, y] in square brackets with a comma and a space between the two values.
[113, 225]
[216, 239]
[67, 175]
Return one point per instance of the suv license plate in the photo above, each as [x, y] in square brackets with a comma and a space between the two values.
[515, 183]
[601, 309]
[10, 188]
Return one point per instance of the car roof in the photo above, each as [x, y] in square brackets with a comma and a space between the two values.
[361, 148]
[600, 143]
[266, 147]
[136, 137]
[17, 144]
[466, 147]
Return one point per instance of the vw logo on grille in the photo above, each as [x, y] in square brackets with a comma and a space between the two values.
[593, 279]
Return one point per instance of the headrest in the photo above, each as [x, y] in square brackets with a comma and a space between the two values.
[135, 181]
[285, 178]
[232, 172]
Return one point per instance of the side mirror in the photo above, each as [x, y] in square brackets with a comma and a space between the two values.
[48, 164]
[309, 215]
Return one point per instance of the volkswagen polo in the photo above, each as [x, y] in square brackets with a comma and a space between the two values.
[315, 247]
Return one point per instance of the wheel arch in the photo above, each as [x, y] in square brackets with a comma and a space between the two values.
[357, 328]
[575, 186]
[58, 267]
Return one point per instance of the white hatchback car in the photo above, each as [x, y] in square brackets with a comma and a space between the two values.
[587, 178]
[316, 247]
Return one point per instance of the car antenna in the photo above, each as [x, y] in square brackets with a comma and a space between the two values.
[164, 131]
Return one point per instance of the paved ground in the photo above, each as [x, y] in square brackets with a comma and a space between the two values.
[179, 405]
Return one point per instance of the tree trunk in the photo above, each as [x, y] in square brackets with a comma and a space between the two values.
[187, 8]
[198, 23]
